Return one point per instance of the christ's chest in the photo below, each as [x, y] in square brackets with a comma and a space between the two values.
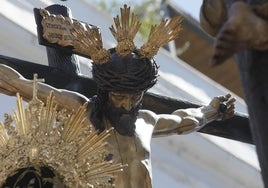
[135, 152]
[126, 149]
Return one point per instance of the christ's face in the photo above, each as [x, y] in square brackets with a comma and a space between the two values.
[122, 111]
[127, 101]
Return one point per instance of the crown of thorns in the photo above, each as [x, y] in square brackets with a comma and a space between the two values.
[124, 31]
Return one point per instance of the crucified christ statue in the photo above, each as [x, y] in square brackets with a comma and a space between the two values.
[123, 75]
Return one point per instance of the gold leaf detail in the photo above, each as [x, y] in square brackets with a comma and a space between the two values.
[125, 31]
[40, 135]
[88, 41]
[160, 35]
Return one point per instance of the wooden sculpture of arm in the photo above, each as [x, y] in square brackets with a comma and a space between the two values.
[185, 121]
[12, 82]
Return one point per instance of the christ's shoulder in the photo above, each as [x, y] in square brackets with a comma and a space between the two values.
[148, 116]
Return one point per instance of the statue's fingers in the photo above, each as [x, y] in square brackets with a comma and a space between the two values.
[224, 98]
[230, 114]
[230, 101]
[227, 96]
[230, 109]
[221, 98]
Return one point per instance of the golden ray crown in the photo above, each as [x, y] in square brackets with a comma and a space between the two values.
[40, 135]
[160, 35]
[125, 31]
[87, 40]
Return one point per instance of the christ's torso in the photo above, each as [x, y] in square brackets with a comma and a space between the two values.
[135, 152]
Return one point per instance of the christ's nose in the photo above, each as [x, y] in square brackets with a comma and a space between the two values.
[127, 104]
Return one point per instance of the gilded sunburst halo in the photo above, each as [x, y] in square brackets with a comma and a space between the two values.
[41, 135]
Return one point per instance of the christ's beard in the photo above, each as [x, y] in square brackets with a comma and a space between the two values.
[122, 120]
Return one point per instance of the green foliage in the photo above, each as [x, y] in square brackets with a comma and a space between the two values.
[150, 15]
[148, 12]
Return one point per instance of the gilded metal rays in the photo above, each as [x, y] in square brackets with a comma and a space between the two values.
[40, 135]
[125, 30]
[86, 39]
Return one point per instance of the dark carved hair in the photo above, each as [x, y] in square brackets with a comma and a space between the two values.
[97, 104]
[128, 73]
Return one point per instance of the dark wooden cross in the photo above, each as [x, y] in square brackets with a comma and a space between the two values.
[63, 70]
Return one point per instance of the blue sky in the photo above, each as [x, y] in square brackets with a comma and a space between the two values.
[190, 6]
